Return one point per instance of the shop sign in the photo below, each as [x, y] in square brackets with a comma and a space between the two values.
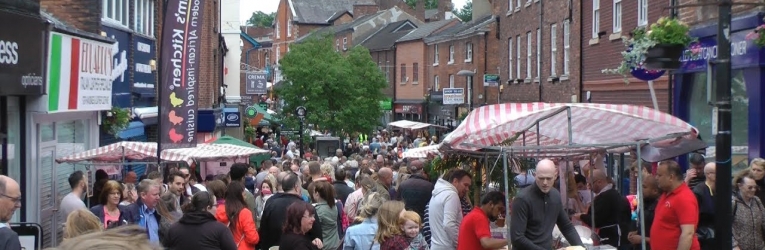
[454, 96]
[490, 80]
[79, 74]
[742, 51]
[386, 104]
[408, 108]
[143, 54]
[256, 84]
[21, 54]
[120, 53]
[181, 47]
[233, 119]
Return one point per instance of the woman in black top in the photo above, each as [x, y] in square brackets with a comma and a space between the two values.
[300, 218]
[198, 229]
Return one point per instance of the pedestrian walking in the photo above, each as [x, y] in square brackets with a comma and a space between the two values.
[198, 229]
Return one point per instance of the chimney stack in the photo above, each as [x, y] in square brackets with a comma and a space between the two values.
[481, 8]
[420, 10]
[445, 8]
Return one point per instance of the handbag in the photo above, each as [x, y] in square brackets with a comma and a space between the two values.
[240, 238]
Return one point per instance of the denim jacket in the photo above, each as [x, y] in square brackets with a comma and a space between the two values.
[361, 236]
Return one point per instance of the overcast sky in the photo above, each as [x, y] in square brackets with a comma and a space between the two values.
[268, 6]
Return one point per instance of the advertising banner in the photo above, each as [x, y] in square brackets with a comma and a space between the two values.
[143, 77]
[120, 78]
[79, 74]
[179, 73]
[454, 96]
[21, 54]
[256, 84]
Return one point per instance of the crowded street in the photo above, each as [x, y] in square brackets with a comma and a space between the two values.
[381, 125]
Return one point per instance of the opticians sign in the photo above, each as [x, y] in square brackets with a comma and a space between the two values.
[21, 54]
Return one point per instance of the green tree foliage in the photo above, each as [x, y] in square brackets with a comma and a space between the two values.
[429, 4]
[341, 92]
[261, 19]
[466, 12]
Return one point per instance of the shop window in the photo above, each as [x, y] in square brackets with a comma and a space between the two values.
[701, 116]
[116, 11]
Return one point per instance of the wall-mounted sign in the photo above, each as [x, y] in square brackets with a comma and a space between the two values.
[454, 96]
[256, 84]
[408, 108]
[119, 75]
[742, 50]
[233, 119]
[144, 51]
[79, 74]
[490, 80]
[21, 54]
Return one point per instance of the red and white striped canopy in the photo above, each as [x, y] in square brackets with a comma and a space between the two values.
[422, 152]
[405, 124]
[591, 123]
[148, 151]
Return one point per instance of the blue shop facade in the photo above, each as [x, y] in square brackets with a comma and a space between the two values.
[693, 92]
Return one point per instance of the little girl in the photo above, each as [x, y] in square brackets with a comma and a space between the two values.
[410, 225]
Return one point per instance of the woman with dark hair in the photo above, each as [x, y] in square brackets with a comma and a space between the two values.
[168, 212]
[101, 178]
[266, 190]
[218, 188]
[198, 228]
[109, 211]
[238, 217]
[323, 195]
[300, 218]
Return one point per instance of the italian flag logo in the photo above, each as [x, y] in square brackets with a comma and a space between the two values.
[79, 74]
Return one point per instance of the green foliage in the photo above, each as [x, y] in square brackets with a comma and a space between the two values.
[429, 4]
[261, 19]
[117, 119]
[670, 31]
[758, 35]
[341, 92]
[466, 12]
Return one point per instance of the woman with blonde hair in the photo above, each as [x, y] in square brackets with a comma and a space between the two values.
[756, 170]
[80, 222]
[389, 234]
[121, 238]
[361, 235]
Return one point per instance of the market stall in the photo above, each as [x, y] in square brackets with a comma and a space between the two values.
[569, 130]
[422, 152]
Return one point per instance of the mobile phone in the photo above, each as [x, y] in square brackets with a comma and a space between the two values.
[30, 235]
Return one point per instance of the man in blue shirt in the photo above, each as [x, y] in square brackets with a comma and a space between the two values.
[143, 212]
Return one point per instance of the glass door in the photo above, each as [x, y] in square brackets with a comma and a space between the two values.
[47, 183]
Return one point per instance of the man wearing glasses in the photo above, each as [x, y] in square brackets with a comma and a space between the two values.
[10, 200]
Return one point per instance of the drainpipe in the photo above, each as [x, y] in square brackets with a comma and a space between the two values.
[387, 69]
[486, 66]
[541, 48]
[671, 77]
[581, 48]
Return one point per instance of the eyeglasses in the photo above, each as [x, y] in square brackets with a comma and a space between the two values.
[16, 200]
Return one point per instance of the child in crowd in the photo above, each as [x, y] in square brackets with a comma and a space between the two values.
[410, 225]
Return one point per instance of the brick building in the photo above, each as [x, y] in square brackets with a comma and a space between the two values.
[256, 57]
[689, 86]
[535, 71]
[464, 46]
[602, 35]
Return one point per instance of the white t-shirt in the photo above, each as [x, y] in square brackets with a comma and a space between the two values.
[70, 203]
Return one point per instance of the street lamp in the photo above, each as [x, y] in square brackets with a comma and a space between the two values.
[469, 74]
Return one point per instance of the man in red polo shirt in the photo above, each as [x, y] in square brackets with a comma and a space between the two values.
[475, 232]
[677, 212]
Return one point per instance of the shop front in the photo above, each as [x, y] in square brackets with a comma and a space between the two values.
[408, 110]
[22, 57]
[694, 89]
[65, 121]
[210, 124]
[386, 105]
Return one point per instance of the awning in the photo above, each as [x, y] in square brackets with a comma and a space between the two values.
[411, 125]
[147, 115]
[422, 152]
[147, 151]
[134, 129]
[267, 116]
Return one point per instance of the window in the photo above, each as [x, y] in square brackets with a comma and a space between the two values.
[415, 72]
[510, 58]
[451, 81]
[509, 5]
[642, 12]
[528, 55]
[518, 4]
[436, 85]
[468, 52]
[566, 45]
[345, 43]
[116, 11]
[278, 54]
[451, 54]
[403, 73]
[144, 17]
[539, 53]
[337, 45]
[595, 18]
[700, 112]
[617, 16]
[289, 28]
[277, 28]
[553, 49]
[518, 57]
[435, 54]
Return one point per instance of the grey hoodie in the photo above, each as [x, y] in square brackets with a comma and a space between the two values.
[445, 216]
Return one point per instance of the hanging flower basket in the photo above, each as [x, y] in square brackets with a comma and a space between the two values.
[117, 119]
[663, 57]
[757, 35]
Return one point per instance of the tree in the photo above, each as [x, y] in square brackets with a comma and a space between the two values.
[341, 92]
[429, 4]
[261, 19]
[466, 12]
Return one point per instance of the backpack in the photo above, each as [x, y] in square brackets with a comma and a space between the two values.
[344, 223]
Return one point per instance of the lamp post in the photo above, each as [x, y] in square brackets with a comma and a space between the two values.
[300, 112]
[469, 74]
